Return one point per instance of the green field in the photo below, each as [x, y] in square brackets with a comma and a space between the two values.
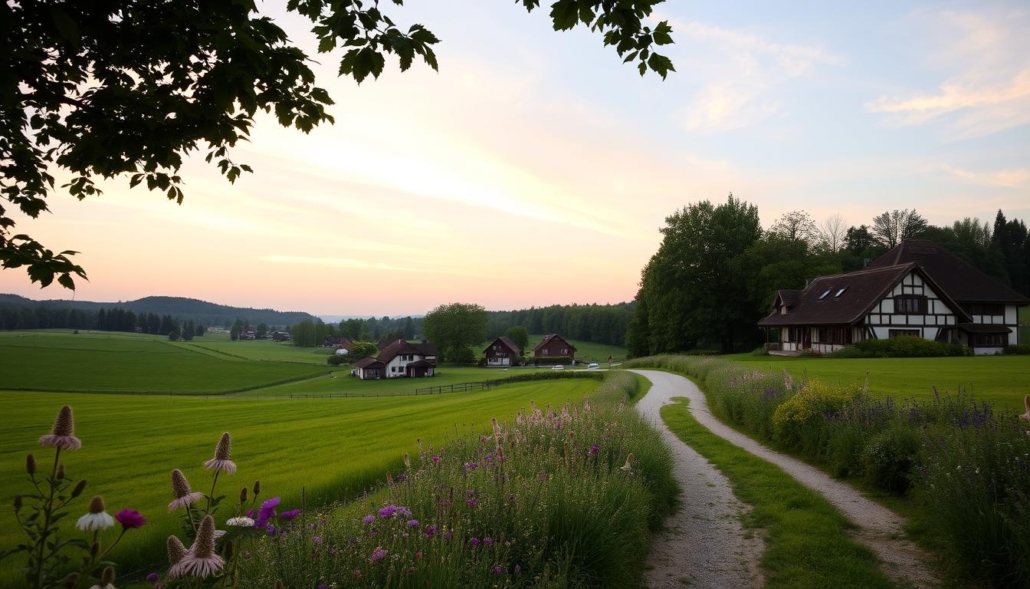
[1002, 380]
[331, 448]
[587, 351]
[130, 363]
[264, 350]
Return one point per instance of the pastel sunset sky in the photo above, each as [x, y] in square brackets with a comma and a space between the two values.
[535, 168]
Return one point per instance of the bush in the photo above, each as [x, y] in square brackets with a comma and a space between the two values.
[1020, 350]
[888, 459]
[337, 359]
[899, 347]
[801, 421]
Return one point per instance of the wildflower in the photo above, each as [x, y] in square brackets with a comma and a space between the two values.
[62, 435]
[407, 461]
[474, 542]
[368, 519]
[106, 579]
[498, 570]
[97, 518]
[628, 467]
[412, 523]
[267, 511]
[435, 458]
[183, 494]
[593, 450]
[316, 539]
[488, 541]
[176, 553]
[221, 460]
[387, 511]
[242, 522]
[431, 531]
[518, 569]
[152, 577]
[201, 560]
[130, 519]
[378, 554]
[288, 515]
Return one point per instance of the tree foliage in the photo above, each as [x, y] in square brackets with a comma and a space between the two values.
[694, 290]
[520, 336]
[125, 88]
[891, 227]
[796, 226]
[455, 328]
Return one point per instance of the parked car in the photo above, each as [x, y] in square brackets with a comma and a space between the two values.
[557, 367]
[593, 365]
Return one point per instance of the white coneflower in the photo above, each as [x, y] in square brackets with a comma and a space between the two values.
[201, 560]
[183, 494]
[62, 435]
[221, 460]
[242, 522]
[97, 518]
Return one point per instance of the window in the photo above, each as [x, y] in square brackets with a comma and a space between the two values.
[840, 292]
[991, 339]
[823, 296]
[544, 352]
[903, 332]
[986, 309]
[838, 336]
[910, 305]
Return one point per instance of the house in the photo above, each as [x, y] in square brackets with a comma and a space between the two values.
[399, 359]
[502, 352]
[915, 289]
[552, 346]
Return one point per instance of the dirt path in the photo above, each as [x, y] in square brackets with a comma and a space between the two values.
[879, 528]
[703, 543]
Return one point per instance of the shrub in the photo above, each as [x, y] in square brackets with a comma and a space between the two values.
[1020, 350]
[801, 421]
[337, 359]
[899, 347]
[888, 458]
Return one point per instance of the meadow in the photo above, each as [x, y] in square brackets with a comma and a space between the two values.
[1002, 380]
[586, 351]
[332, 449]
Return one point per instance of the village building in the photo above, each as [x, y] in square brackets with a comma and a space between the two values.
[399, 359]
[502, 352]
[553, 346]
[916, 289]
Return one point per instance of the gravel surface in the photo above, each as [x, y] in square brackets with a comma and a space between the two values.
[879, 528]
[704, 543]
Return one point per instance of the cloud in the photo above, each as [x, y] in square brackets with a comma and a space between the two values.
[347, 263]
[986, 60]
[1010, 178]
[740, 75]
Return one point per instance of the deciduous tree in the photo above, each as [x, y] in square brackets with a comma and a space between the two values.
[891, 227]
[520, 336]
[126, 88]
[455, 328]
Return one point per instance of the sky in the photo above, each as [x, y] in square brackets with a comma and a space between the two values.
[534, 168]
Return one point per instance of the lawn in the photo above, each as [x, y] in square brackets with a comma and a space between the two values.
[219, 344]
[131, 363]
[1002, 380]
[331, 448]
[587, 351]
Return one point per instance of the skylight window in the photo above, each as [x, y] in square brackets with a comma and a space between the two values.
[823, 296]
[840, 292]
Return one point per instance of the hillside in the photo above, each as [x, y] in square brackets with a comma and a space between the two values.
[183, 309]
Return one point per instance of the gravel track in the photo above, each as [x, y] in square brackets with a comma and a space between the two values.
[879, 528]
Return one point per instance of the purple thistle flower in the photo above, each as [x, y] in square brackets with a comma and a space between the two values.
[498, 570]
[593, 450]
[488, 541]
[378, 554]
[152, 577]
[317, 539]
[474, 542]
[288, 515]
[412, 523]
[130, 519]
[368, 519]
[387, 511]
[431, 531]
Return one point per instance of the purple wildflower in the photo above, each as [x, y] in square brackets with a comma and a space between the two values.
[288, 515]
[593, 450]
[431, 531]
[488, 541]
[474, 542]
[498, 570]
[152, 577]
[368, 519]
[378, 554]
[130, 519]
[317, 539]
[412, 523]
[387, 511]
[518, 569]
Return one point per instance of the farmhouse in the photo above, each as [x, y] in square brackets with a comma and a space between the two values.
[552, 346]
[502, 352]
[915, 289]
[399, 359]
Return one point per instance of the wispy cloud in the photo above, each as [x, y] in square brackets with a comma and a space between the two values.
[347, 263]
[1009, 178]
[740, 75]
[986, 59]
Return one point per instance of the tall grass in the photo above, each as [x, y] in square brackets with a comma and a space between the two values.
[965, 462]
[547, 499]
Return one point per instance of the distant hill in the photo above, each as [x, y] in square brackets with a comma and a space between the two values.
[181, 308]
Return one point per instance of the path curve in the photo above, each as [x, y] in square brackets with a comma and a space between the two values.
[880, 529]
[703, 544]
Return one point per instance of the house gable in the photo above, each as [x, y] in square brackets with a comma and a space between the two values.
[553, 345]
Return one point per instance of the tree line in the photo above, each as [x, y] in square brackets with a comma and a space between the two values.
[601, 324]
[115, 319]
[716, 271]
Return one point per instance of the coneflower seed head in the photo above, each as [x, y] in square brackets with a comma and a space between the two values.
[257, 487]
[180, 486]
[243, 495]
[79, 488]
[64, 425]
[30, 464]
[224, 447]
[204, 545]
[176, 551]
[96, 504]
[107, 577]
